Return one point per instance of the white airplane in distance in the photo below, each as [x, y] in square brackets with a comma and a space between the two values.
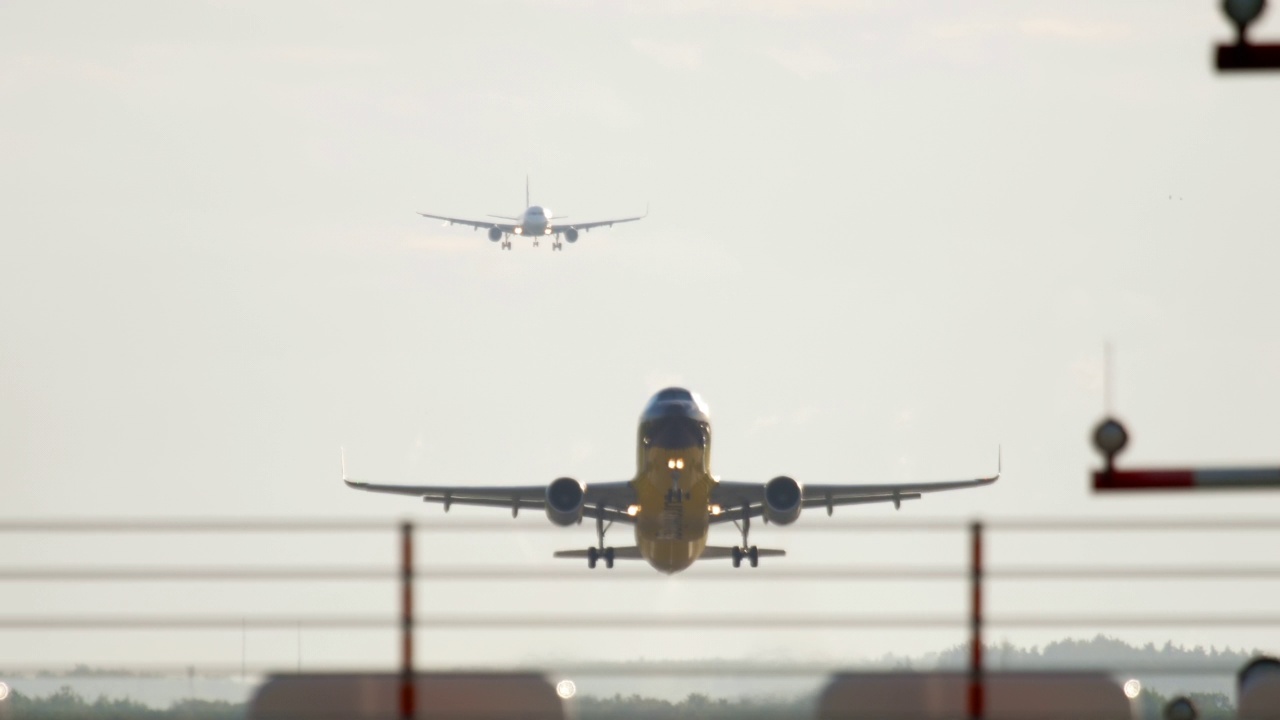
[535, 222]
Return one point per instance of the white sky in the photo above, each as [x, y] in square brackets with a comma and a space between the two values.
[884, 239]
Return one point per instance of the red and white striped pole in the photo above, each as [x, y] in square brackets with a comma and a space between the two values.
[977, 699]
[1173, 479]
[408, 699]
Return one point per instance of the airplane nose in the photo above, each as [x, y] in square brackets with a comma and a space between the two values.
[674, 428]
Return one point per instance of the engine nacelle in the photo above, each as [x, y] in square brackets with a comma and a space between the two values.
[495, 234]
[564, 501]
[571, 234]
[782, 497]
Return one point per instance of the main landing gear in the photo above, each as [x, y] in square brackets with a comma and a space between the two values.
[750, 552]
[595, 554]
[505, 245]
[557, 245]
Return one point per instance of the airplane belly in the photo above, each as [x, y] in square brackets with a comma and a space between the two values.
[671, 529]
[670, 556]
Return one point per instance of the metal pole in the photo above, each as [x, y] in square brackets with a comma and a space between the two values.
[977, 689]
[407, 695]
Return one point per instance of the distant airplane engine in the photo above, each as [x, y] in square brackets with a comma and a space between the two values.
[571, 235]
[564, 501]
[495, 233]
[782, 500]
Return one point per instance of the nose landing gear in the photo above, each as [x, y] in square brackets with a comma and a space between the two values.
[750, 552]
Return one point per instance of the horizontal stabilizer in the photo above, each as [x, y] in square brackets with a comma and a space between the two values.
[714, 552]
[619, 553]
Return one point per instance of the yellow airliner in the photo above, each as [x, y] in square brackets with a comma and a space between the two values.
[674, 499]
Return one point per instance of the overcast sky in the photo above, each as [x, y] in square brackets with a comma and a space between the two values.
[884, 239]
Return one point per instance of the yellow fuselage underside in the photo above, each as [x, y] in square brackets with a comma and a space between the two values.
[673, 490]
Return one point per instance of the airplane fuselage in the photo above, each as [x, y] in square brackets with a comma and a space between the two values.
[535, 222]
[673, 482]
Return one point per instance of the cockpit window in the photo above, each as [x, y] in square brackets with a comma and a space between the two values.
[674, 393]
[535, 210]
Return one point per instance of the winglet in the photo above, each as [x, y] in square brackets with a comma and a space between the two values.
[350, 483]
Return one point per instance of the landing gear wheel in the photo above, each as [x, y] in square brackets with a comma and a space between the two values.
[535, 243]
[556, 246]
[737, 557]
[753, 555]
[608, 558]
[592, 556]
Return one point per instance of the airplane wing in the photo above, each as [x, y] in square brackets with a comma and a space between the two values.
[739, 499]
[486, 224]
[608, 501]
[558, 228]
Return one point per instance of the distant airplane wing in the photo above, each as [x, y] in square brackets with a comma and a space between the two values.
[737, 498]
[558, 228]
[608, 501]
[504, 227]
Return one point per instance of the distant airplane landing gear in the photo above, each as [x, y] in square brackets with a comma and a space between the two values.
[594, 554]
[750, 552]
[557, 245]
[506, 245]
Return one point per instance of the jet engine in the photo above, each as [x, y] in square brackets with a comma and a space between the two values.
[571, 234]
[564, 501]
[495, 233]
[782, 497]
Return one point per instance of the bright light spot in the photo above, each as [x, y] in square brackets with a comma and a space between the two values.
[548, 232]
[4, 691]
[671, 464]
[519, 231]
[715, 509]
[566, 689]
[1132, 688]
[680, 463]
[633, 510]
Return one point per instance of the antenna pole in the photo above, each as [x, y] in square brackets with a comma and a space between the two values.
[1106, 378]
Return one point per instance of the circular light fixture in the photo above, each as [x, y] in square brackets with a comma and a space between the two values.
[1110, 437]
[566, 689]
[1243, 12]
[1132, 688]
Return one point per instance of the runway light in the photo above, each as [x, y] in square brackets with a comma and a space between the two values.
[633, 510]
[4, 691]
[1132, 688]
[566, 689]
